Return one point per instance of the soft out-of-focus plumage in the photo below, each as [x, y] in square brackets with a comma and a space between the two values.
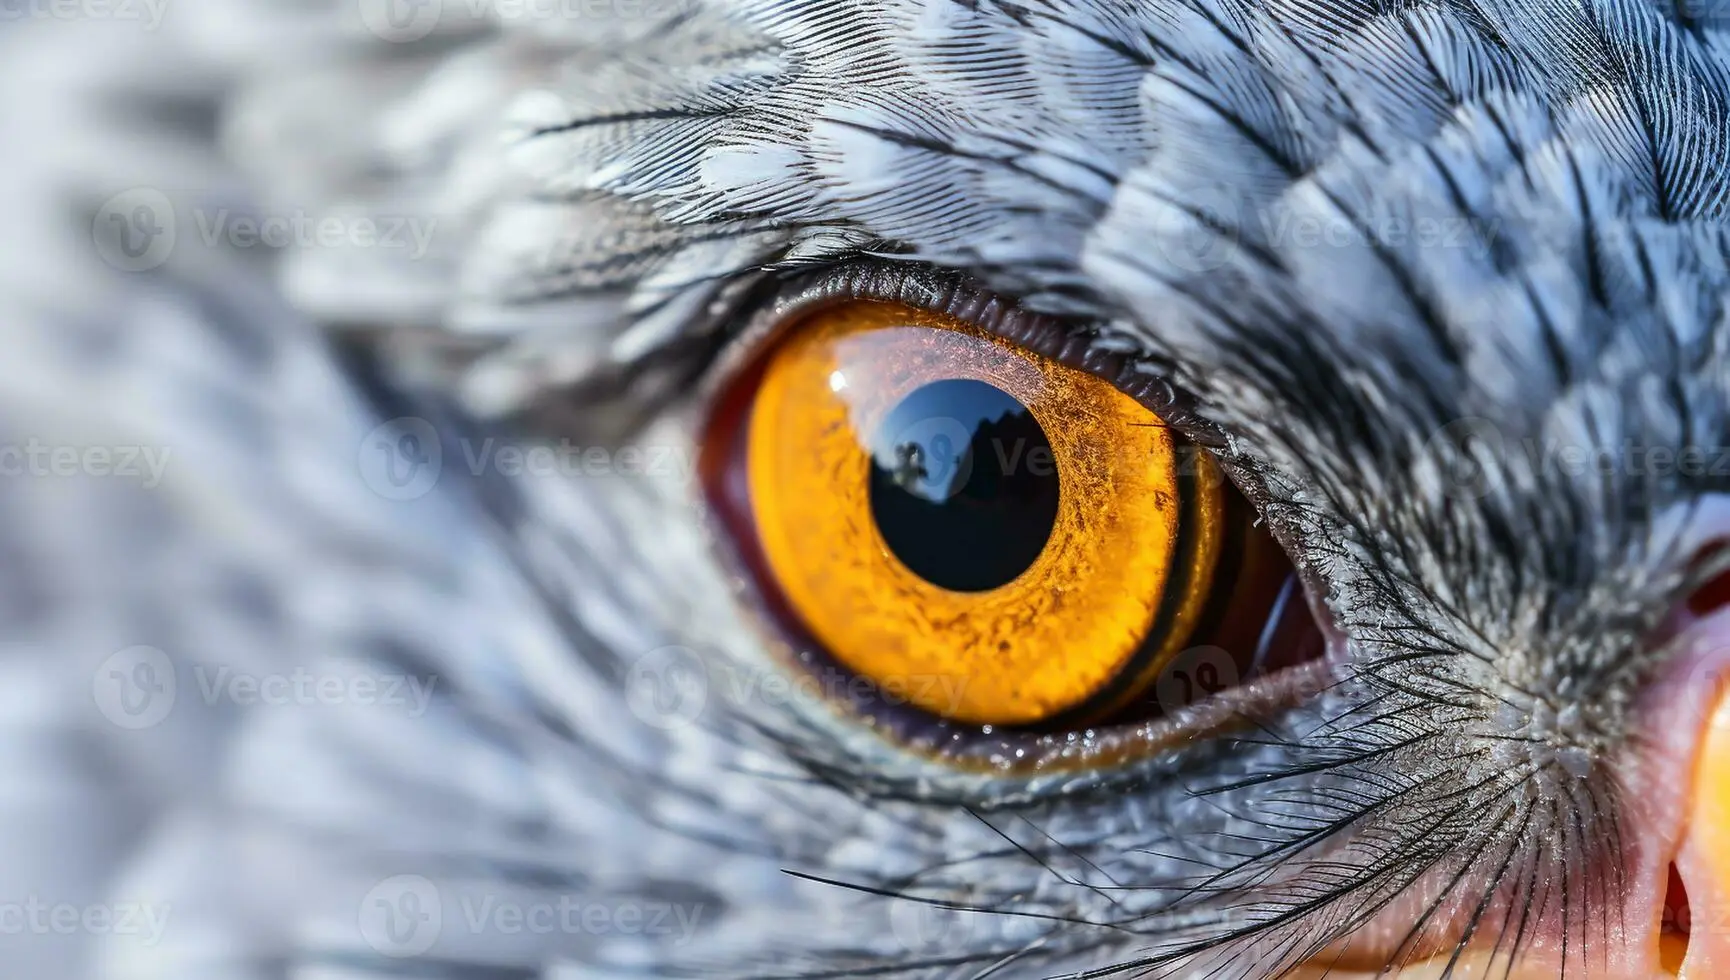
[1160, 170]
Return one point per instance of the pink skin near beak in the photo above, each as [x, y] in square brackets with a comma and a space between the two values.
[1694, 742]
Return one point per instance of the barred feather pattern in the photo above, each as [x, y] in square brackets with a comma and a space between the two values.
[1352, 232]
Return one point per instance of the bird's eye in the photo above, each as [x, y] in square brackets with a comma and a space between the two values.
[998, 537]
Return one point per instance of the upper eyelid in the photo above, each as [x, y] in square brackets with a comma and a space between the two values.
[935, 290]
[946, 292]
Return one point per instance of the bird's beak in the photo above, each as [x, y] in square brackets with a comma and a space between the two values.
[1668, 911]
[1699, 946]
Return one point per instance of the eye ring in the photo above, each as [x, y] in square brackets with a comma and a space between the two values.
[728, 480]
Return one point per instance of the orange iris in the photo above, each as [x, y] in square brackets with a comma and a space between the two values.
[1005, 539]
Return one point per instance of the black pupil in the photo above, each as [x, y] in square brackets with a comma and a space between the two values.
[963, 485]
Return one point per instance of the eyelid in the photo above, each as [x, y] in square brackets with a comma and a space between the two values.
[952, 294]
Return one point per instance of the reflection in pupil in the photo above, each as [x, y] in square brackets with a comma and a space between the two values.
[964, 485]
